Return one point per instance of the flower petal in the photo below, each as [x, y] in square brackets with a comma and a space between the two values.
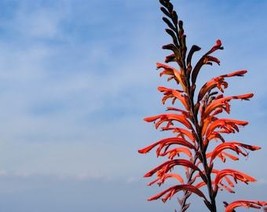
[168, 193]
[244, 203]
[234, 146]
[168, 165]
[174, 94]
[169, 118]
[166, 142]
[237, 175]
[220, 102]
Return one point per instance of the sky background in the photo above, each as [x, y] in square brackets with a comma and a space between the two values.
[78, 76]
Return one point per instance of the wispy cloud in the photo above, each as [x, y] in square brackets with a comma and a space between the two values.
[77, 77]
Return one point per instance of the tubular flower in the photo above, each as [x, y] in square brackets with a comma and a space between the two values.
[169, 118]
[167, 142]
[222, 103]
[218, 82]
[169, 165]
[174, 74]
[234, 146]
[244, 203]
[205, 60]
[162, 177]
[237, 175]
[224, 125]
[174, 95]
[168, 193]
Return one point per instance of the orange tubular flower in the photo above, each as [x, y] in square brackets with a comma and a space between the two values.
[218, 82]
[222, 101]
[168, 165]
[244, 203]
[168, 193]
[176, 152]
[234, 146]
[163, 176]
[174, 74]
[237, 175]
[240, 73]
[169, 118]
[227, 126]
[174, 94]
[167, 142]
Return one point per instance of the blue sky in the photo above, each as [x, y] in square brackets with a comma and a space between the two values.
[76, 79]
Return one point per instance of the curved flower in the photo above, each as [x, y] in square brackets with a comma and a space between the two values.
[236, 175]
[168, 193]
[244, 203]
[222, 103]
[173, 73]
[176, 152]
[225, 125]
[218, 82]
[234, 146]
[174, 94]
[168, 165]
[167, 142]
[169, 118]
[203, 60]
[163, 176]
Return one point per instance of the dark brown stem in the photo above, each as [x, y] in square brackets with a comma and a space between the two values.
[212, 206]
[211, 192]
[202, 150]
[176, 31]
[187, 194]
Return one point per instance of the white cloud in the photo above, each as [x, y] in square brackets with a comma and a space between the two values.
[74, 90]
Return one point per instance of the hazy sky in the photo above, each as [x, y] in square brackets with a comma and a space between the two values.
[78, 76]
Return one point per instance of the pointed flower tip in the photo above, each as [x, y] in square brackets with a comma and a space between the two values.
[218, 45]
[148, 174]
[250, 95]
[244, 96]
[243, 72]
[219, 42]
[151, 118]
[141, 151]
[161, 88]
[159, 65]
[256, 148]
[240, 73]
[150, 199]
[145, 119]
[146, 149]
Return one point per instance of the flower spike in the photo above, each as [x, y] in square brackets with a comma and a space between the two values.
[196, 120]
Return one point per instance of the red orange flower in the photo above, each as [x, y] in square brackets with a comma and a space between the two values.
[244, 203]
